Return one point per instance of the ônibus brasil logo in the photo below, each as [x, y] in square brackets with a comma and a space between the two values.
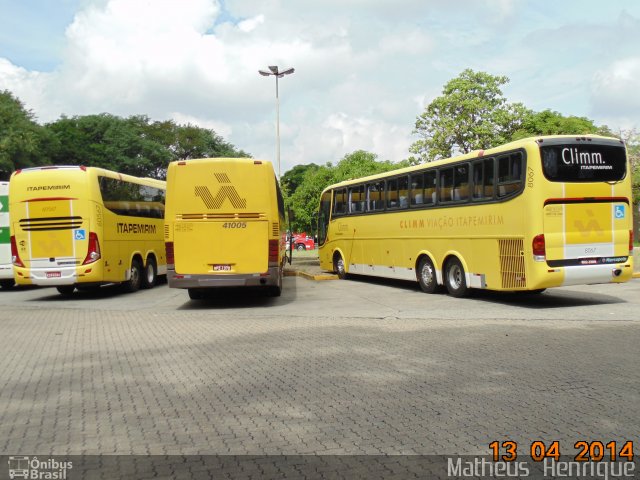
[33, 468]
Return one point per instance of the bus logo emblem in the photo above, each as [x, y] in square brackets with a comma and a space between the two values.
[227, 191]
[619, 211]
[79, 234]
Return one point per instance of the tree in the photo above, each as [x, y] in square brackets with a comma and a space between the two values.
[548, 122]
[134, 145]
[110, 142]
[470, 114]
[23, 143]
[291, 179]
[306, 197]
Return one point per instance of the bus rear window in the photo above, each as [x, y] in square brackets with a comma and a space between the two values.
[583, 163]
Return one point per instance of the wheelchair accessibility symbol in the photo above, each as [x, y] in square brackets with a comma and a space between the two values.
[79, 234]
[619, 211]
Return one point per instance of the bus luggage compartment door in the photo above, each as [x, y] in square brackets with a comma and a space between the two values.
[221, 247]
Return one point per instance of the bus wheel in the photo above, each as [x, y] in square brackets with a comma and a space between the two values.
[534, 292]
[66, 290]
[455, 279]
[338, 266]
[427, 276]
[150, 274]
[133, 285]
[7, 284]
[300, 247]
[195, 294]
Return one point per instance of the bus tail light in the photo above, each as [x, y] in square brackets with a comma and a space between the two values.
[274, 250]
[93, 252]
[630, 242]
[539, 249]
[168, 246]
[15, 257]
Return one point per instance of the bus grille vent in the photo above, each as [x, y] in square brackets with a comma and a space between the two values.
[275, 230]
[166, 231]
[512, 263]
[50, 223]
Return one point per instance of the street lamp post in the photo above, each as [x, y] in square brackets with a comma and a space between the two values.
[273, 70]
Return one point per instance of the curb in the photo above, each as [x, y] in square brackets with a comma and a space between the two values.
[310, 276]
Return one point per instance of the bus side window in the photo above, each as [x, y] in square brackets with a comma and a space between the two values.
[483, 179]
[509, 174]
[461, 182]
[445, 188]
[403, 191]
[392, 193]
[417, 189]
[356, 199]
[340, 202]
[375, 196]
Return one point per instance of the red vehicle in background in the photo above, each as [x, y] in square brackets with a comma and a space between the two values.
[301, 241]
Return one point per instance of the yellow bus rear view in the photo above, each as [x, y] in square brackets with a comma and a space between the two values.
[225, 225]
[83, 227]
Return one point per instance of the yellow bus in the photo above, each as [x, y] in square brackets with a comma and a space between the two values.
[529, 215]
[83, 227]
[225, 225]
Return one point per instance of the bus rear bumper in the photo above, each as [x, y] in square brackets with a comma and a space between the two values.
[593, 274]
[270, 278]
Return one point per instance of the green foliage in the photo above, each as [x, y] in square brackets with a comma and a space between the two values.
[23, 143]
[292, 179]
[470, 114]
[133, 145]
[304, 200]
[548, 122]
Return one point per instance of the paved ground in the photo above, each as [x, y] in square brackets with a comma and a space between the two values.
[337, 367]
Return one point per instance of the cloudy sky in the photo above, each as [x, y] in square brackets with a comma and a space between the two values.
[364, 68]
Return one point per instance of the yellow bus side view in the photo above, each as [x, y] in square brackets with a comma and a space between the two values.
[533, 214]
[83, 227]
[225, 225]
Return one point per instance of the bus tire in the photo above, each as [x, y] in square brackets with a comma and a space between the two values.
[300, 247]
[427, 275]
[66, 290]
[195, 293]
[455, 279]
[7, 284]
[150, 274]
[537, 291]
[135, 281]
[274, 291]
[339, 266]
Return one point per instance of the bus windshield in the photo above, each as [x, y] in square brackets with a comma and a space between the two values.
[583, 163]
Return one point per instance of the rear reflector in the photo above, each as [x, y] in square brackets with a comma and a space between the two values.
[15, 257]
[273, 250]
[539, 248]
[168, 246]
[93, 252]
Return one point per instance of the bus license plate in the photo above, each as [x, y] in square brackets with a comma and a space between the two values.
[222, 268]
[54, 274]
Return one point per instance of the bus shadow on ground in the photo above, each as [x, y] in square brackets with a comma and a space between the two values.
[83, 294]
[241, 297]
[551, 298]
